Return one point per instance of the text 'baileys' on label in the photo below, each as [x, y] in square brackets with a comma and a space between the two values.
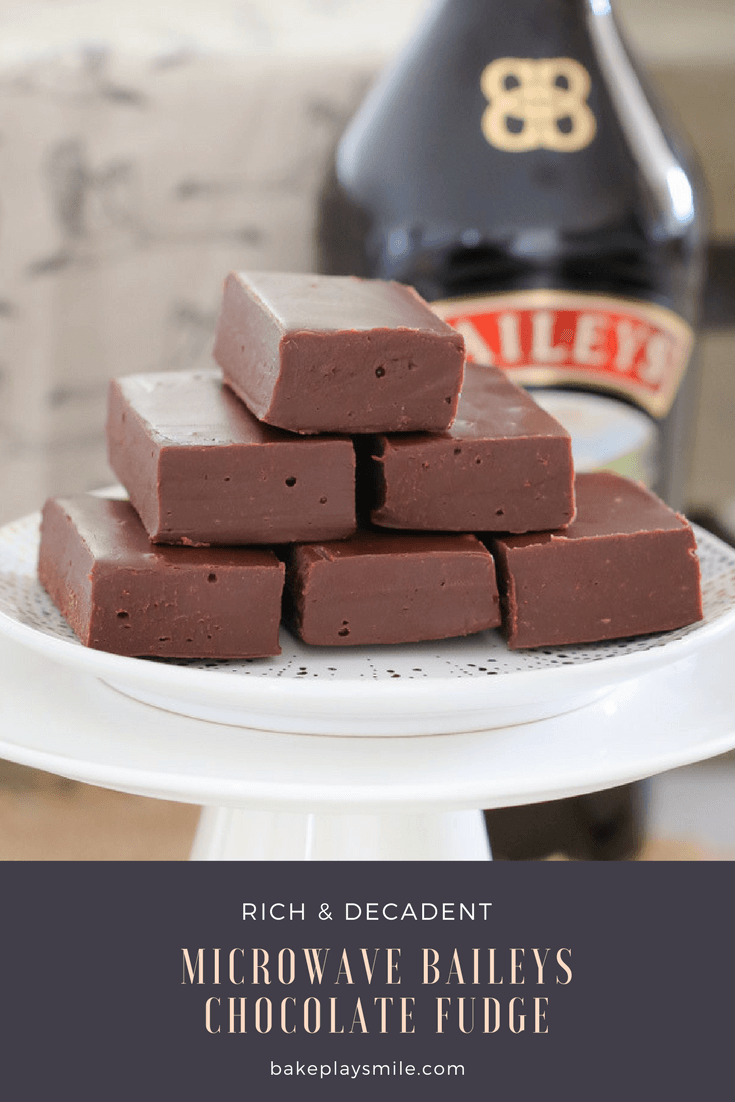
[551, 338]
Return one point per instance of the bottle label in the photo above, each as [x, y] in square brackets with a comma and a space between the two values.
[604, 347]
[537, 103]
[551, 338]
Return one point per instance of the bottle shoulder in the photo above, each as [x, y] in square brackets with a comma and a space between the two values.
[426, 190]
[517, 123]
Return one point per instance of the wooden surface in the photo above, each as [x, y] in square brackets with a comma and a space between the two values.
[45, 818]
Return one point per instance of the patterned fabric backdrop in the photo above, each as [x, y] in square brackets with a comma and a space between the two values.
[146, 148]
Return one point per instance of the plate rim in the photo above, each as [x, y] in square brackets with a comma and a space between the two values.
[290, 794]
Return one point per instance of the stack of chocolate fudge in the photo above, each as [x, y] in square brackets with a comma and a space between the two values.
[344, 469]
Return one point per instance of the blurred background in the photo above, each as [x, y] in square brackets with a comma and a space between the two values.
[148, 148]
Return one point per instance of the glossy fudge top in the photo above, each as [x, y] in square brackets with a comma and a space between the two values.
[492, 407]
[610, 505]
[332, 304]
[315, 354]
[391, 546]
[114, 536]
[194, 408]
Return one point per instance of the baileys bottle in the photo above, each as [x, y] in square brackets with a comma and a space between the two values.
[513, 167]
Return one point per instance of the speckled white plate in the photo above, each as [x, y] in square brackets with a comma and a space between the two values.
[453, 686]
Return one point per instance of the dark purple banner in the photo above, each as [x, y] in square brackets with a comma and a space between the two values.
[351, 981]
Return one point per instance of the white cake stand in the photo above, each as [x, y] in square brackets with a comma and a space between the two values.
[285, 796]
[321, 755]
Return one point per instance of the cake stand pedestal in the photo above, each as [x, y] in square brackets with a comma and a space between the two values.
[232, 834]
[275, 796]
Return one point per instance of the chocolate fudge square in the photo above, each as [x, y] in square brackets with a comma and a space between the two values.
[381, 587]
[505, 465]
[122, 594]
[627, 565]
[200, 469]
[313, 353]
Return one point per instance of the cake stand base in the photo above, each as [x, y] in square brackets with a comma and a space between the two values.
[280, 796]
[232, 834]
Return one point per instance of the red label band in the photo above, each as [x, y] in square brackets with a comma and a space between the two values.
[548, 338]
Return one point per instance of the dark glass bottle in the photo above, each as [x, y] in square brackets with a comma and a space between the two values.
[512, 166]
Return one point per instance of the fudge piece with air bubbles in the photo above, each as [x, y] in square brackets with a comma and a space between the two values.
[202, 470]
[381, 587]
[505, 465]
[627, 565]
[318, 353]
[123, 594]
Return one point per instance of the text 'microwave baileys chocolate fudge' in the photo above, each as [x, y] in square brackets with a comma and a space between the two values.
[200, 469]
[317, 354]
[504, 465]
[122, 594]
[627, 565]
[381, 587]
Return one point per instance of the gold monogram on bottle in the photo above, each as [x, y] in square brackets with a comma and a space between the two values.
[537, 104]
